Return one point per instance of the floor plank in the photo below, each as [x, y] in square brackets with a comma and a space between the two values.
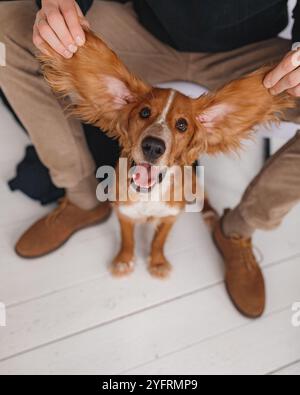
[88, 255]
[292, 370]
[168, 338]
[101, 300]
[255, 349]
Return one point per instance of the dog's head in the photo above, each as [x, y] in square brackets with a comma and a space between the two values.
[159, 127]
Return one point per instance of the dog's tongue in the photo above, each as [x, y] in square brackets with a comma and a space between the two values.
[145, 176]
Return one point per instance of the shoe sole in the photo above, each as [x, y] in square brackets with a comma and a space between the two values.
[252, 317]
[102, 221]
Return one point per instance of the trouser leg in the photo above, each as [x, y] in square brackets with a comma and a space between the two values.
[272, 194]
[276, 190]
[59, 140]
[144, 55]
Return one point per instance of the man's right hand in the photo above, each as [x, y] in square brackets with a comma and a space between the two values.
[59, 23]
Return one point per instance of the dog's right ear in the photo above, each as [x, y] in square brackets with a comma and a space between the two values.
[229, 115]
[98, 83]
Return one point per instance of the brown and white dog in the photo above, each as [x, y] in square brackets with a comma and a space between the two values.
[157, 128]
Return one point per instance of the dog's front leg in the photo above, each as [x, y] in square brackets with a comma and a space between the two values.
[123, 264]
[159, 265]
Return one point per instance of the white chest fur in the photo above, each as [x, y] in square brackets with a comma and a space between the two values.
[156, 205]
[140, 211]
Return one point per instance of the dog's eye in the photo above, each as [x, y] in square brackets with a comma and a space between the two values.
[182, 125]
[145, 113]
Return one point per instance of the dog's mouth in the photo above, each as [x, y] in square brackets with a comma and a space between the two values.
[145, 176]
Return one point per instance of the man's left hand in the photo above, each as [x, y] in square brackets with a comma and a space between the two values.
[286, 76]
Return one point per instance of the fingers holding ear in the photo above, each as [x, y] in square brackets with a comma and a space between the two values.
[289, 82]
[57, 23]
[44, 35]
[48, 36]
[72, 17]
[39, 42]
[61, 26]
[286, 76]
[289, 63]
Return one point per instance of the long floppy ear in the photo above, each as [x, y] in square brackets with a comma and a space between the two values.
[98, 83]
[229, 115]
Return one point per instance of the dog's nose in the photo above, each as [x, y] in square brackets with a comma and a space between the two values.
[153, 148]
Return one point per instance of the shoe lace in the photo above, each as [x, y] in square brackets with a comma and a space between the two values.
[62, 205]
[246, 253]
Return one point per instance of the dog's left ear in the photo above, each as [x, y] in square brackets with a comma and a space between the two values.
[99, 84]
[229, 115]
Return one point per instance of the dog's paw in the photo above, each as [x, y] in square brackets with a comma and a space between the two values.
[160, 269]
[120, 268]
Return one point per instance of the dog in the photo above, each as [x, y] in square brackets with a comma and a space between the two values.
[157, 129]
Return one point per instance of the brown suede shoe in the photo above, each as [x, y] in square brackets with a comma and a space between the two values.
[51, 232]
[244, 279]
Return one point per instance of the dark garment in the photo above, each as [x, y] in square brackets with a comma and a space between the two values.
[212, 25]
[296, 27]
[33, 179]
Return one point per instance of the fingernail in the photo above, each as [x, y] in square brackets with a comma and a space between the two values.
[72, 48]
[79, 41]
[85, 23]
[267, 84]
[296, 59]
[67, 54]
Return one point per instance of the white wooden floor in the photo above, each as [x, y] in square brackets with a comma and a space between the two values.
[66, 315]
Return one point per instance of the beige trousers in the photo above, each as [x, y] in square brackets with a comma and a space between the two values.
[60, 141]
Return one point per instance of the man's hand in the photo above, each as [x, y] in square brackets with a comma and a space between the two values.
[286, 76]
[59, 23]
